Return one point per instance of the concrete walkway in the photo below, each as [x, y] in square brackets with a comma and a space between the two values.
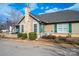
[14, 48]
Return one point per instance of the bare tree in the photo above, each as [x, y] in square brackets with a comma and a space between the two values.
[15, 16]
[11, 20]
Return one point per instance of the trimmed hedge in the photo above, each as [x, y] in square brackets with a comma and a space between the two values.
[22, 35]
[32, 35]
[19, 35]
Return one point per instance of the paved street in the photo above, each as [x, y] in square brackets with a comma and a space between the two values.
[12, 48]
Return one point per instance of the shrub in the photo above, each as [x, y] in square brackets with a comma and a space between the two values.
[62, 38]
[49, 37]
[77, 43]
[19, 35]
[32, 35]
[44, 37]
[53, 37]
[24, 36]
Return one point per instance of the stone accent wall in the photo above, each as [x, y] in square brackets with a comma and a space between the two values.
[49, 28]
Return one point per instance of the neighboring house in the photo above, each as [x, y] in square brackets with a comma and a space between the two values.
[4, 31]
[61, 22]
[13, 29]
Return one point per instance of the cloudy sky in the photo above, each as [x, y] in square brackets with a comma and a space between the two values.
[35, 8]
[52, 7]
[6, 10]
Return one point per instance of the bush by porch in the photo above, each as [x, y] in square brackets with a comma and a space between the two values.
[32, 35]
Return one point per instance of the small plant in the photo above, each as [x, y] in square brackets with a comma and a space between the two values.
[62, 38]
[53, 37]
[69, 35]
[32, 35]
[44, 37]
[49, 37]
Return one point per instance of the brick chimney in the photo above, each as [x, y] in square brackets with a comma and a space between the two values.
[27, 11]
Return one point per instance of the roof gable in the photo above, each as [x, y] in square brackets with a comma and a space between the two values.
[30, 16]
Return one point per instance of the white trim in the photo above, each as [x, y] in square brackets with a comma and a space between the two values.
[34, 17]
[53, 30]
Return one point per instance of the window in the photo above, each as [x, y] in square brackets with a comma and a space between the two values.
[35, 27]
[41, 27]
[22, 28]
[17, 28]
[62, 28]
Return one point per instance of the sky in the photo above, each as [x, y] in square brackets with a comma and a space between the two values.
[52, 7]
[35, 8]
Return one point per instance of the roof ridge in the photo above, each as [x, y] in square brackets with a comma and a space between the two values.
[58, 12]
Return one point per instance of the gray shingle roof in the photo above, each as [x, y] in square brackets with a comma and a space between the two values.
[60, 16]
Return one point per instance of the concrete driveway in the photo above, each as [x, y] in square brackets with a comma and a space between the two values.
[15, 48]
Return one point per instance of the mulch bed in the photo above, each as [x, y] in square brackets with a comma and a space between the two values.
[43, 42]
[73, 39]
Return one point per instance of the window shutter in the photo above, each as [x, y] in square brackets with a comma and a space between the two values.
[43, 27]
[55, 28]
[70, 27]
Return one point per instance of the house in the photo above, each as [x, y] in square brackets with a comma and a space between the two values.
[58, 23]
